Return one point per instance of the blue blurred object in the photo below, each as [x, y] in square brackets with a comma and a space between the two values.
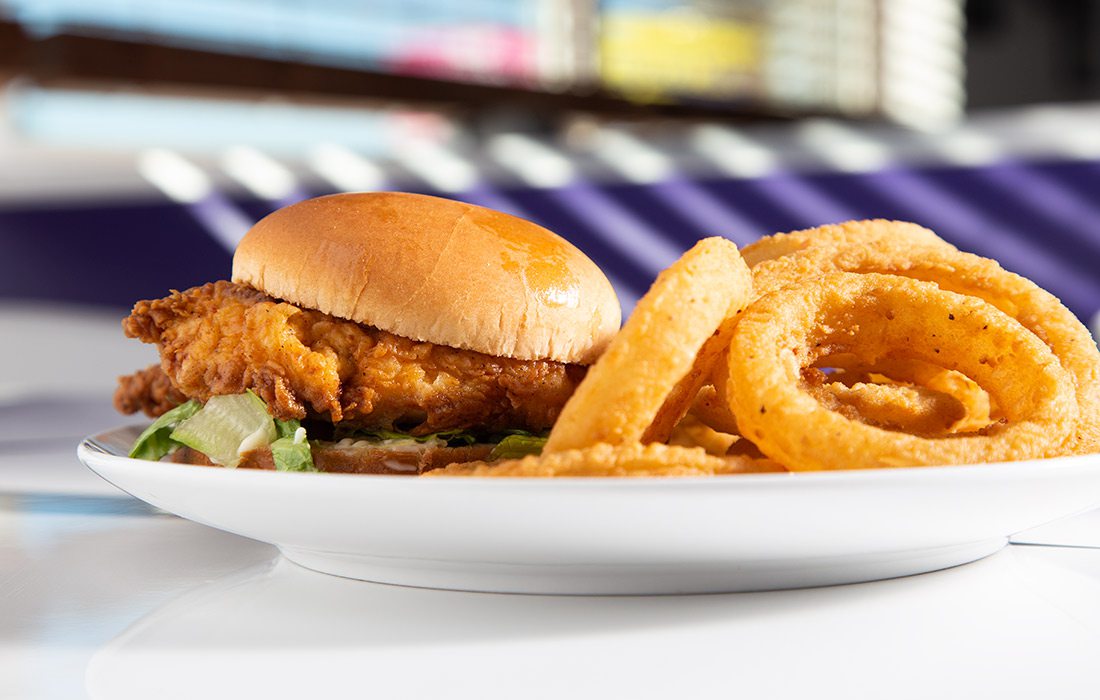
[130, 120]
[486, 39]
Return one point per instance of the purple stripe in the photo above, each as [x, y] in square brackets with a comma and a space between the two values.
[618, 226]
[223, 220]
[801, 200]
[975, 231]
[1068, 212]
[766, 216]
[293, 197]
[487, 196]
[704, 210]
[1080, 177]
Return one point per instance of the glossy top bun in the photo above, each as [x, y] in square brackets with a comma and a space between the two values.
[434, 270]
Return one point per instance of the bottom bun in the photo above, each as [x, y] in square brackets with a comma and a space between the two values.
[357, 459]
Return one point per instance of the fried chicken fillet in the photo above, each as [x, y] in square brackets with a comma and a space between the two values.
[224, 338]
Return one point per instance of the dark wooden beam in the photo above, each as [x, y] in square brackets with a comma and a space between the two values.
[75, 58]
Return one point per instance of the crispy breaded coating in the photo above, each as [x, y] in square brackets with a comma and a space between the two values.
[147, 390]
[224, 338]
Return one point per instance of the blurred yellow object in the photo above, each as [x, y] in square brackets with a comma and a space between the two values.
[650, 55]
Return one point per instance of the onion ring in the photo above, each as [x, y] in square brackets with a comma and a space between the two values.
[874, 316]
[627, 388]
[1036, 309]
[683, 395]
[911, 409]
[635, 460]
[711, 407]
[692, 432]
[979, 411]
[868, 232]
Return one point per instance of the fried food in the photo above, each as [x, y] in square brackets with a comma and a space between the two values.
[874, 232]
[682, 396]
[863, 345]
[978, 411]
[1036, 309]
[224, 338]
[872, 316]
[692, 432]
[711, 408]
[148, 390]
[630, 386]
[602, 459]
[911, 409]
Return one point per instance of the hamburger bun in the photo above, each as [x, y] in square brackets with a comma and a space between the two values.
[434, 270]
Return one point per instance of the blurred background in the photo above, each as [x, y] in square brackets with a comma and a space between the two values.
[139, 139]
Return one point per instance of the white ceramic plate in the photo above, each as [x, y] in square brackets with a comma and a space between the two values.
[617, 536]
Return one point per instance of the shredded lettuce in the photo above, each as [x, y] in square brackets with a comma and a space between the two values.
[508, 443]
[290, 448]
[451, 437]
[154, 442]
[291, 452]
[287, 428]
[516, 446]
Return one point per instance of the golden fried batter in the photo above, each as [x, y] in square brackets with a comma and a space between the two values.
[147, 390]
[909, 408]
[223, 338]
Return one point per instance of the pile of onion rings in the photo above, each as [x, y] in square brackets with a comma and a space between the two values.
[853, 346]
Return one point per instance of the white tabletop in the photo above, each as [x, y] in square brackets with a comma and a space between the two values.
[101, 596]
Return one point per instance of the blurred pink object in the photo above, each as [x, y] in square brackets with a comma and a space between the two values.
[485, 53]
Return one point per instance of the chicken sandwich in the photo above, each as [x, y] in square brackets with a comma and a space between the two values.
[374, 333]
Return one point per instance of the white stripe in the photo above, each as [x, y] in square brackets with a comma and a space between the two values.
[261, 174]
[178, 178]
[346, 169]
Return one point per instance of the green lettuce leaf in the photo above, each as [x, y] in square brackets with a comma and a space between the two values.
[517, 445]
[154, 442]
[509, 444]
[228, 426]
[287, 428]
[451, 437]
[291, 453]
